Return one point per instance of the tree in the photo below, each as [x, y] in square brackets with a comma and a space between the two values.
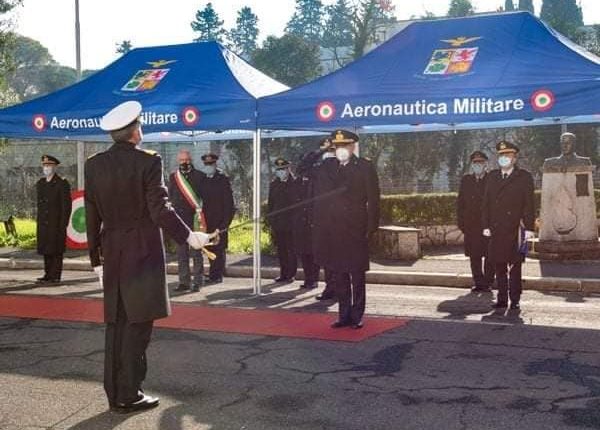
[460, 8]
[124, 47]
[7, 43]
[526, 5]
[564, 16]
[367, 17]
[289, 59]
[509, 6]
[338, 25]
[208, 25]
[307, 21]
[245, 33]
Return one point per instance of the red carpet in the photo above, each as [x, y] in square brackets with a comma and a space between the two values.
[190, 317]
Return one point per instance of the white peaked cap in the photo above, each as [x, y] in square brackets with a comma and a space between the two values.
[121, 116]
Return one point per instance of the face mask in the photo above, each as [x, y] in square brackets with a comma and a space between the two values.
[327, 155]
[282, 174]
[342, 154]
[209, 170]
[185, 167]
[504, 161]
[477, 168]
[48, 171]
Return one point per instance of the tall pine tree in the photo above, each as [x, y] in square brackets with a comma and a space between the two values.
[509, 5]
[526, 5]
[244, 35]
[564, 16]
[208, 25]
[307, 21]
[338, 25]
[460, 8]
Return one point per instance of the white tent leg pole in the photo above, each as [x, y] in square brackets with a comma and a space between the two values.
[80, 164]
[256, 287]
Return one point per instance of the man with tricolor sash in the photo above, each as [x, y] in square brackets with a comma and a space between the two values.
[184, 190]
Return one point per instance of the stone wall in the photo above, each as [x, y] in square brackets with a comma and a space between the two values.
[440, 235]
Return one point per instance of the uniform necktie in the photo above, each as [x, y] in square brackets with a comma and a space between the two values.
[504, 175]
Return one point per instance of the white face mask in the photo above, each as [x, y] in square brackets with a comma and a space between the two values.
[48, 171]
[210, 170]
[327, 155]
[342, 154]
[477, 168]
[504, 161]
[282, 174]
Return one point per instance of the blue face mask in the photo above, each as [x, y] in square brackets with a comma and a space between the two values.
[504, 161]
[477, 168]
[282, 174]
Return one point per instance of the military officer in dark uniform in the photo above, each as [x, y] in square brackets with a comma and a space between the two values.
[219, 209]
[281, 196]
[508, 220]
[307, 175]
[187, 212]
[53, 214]
[126, 206]
[345, 222]
[468, 211]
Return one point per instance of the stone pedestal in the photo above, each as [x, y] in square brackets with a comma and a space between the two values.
[396, 243]
[568, 228]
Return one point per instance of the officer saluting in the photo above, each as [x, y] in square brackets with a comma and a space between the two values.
[53, 213]
[218, 207]
[126, 206]
[344, 223]
[508, 220]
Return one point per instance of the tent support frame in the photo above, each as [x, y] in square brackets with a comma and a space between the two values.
[256, 225]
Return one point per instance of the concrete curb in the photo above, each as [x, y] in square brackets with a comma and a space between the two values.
[432, 279]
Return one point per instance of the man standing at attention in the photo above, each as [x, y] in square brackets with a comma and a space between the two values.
[126, 205]
[217, 197]
[345, 221]
[53, 213]
[184, 191]
[508, 220]
[468, 214]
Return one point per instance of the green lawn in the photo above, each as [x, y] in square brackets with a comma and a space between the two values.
[25, 234]
[240, 239]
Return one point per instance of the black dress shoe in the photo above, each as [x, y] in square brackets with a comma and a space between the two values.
[182, 287]
[325, 296]
[309, 285]
[212, 281]
[357, 325]
[143, 403]
[339, 324]
[500, 305]
[283, 280]
[42, 279]
[52, 282]
[195, 288]
[515, 305]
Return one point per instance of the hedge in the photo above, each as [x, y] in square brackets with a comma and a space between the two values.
[431, 209]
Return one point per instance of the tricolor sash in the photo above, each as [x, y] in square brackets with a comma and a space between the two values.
[193, 200]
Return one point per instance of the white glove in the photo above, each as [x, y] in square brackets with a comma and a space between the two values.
[487, 232]
[198, 239]
[99, 270]
[529, 235]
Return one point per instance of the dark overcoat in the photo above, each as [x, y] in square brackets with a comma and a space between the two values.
[181, 205]
[53, 214]
[344, 220]
[126, 205]
[304, 192]
[468, 214]
[217, 199]
[507, 205]
[281, 196]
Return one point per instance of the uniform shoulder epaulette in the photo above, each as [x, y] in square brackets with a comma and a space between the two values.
[222, 172]
[150, 151]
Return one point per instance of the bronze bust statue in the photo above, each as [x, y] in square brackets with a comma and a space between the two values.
[569, 161]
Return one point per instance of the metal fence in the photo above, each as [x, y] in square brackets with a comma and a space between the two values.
[427, 162]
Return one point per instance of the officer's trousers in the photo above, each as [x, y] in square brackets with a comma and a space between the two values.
[351, 294]
[508, 280]
[53, 266]
[125, 357]
[288, 261]
[217, 266]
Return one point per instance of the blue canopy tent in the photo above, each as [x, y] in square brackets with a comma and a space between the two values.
[182, 88]
[476, 71]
